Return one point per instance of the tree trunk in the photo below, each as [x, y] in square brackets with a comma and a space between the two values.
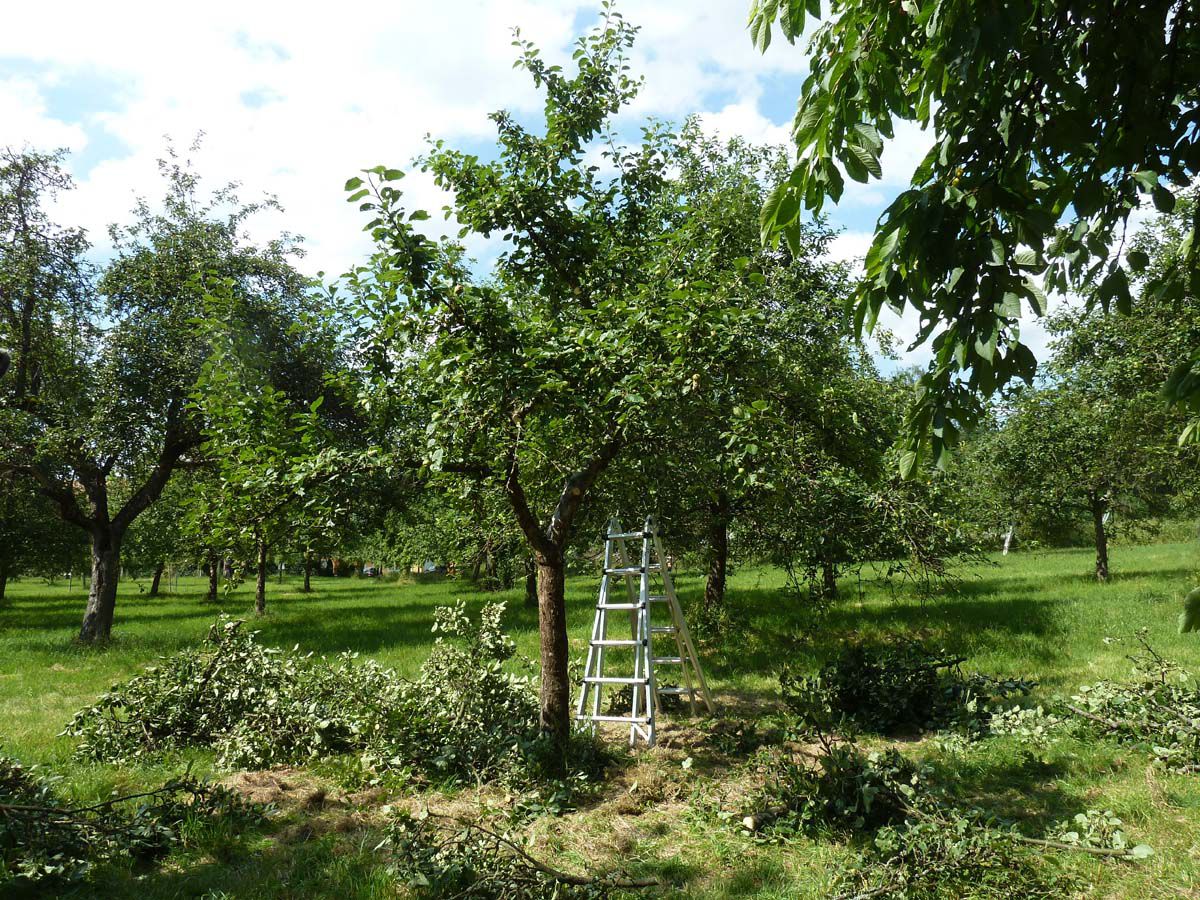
[102, 596]
[1099, 507]
[158, 572]
[308, 573]
[531, 583]
[260, 587]
[718, 559]
[3, 582]
[552, 620]
[1008, 537]
[214, 577]
[829, 584]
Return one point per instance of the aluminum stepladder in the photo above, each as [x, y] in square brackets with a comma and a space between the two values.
[639, 601]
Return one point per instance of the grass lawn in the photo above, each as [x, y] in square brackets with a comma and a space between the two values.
[1036, 615]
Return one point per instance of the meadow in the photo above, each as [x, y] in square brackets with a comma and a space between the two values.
[1035, 615]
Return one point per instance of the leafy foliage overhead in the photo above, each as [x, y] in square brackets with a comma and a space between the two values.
[1051, 122]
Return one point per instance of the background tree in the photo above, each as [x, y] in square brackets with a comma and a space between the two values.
[764, 363]
[271, 450]
[96, 415]
[32, 539]
[1050, 122]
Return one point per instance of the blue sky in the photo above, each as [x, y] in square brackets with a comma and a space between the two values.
[293, 100]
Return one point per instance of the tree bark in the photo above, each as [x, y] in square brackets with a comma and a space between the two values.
[102, 596]
[1099, 507]
[214, 577]
[308, 573]
[552, 618]
[718, 560]
[829, 584]
[158, 572]
[3, 582]
[260, 586]
[531, 583]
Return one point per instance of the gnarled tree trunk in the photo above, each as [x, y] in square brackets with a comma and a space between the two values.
[552, 619]
[102, 597]
[718, 560]
[260, 585]
[1099, 508]
[531, 583]
[829, 584]
[214, 577]
[154, 582]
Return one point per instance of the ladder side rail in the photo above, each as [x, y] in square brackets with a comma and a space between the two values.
[684, 633]
[601, 630]
[652, 703]
[681, 649]
[614, 527]
[591, 654]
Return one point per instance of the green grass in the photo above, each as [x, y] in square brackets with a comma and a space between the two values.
[1037, 615]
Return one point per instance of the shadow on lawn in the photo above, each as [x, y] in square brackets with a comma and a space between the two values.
[779, 630]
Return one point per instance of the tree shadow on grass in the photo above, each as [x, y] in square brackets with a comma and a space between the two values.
[778, 630]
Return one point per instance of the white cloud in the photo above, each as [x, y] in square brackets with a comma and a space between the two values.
[850, 246]
[295, 98]
[24, 120]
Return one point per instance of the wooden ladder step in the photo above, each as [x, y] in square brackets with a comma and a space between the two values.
[610, 642]
[592, 679]
[676, 690]
[618, 606]
[669, 660]
[627, 535]
[663, 629]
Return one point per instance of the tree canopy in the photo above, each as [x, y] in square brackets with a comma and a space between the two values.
[1050, 126]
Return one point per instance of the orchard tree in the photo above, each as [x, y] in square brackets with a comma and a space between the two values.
[272, 454]
[575, 348]
[1051, 122]
[96, 411]
[1072, 450]
[32, 539]
[774, 346]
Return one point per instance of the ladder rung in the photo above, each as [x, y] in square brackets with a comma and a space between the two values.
[657, 598]
[633, 570]
[663, 629]
[618, 606]
[676, 690]
[668, 659]
[643, 720]
[607, 680]
[627, 535]
[615, 643]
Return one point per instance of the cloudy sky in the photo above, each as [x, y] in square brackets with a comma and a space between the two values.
[294, 98]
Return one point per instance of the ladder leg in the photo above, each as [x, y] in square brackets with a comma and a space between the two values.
[597, 634]
[677, 621]
[644, 636]
[602, 616]
[684, 634]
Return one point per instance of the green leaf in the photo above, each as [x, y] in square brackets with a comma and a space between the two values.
[1164, 200]
[769, 220]
[353, 184]
[868, 159]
